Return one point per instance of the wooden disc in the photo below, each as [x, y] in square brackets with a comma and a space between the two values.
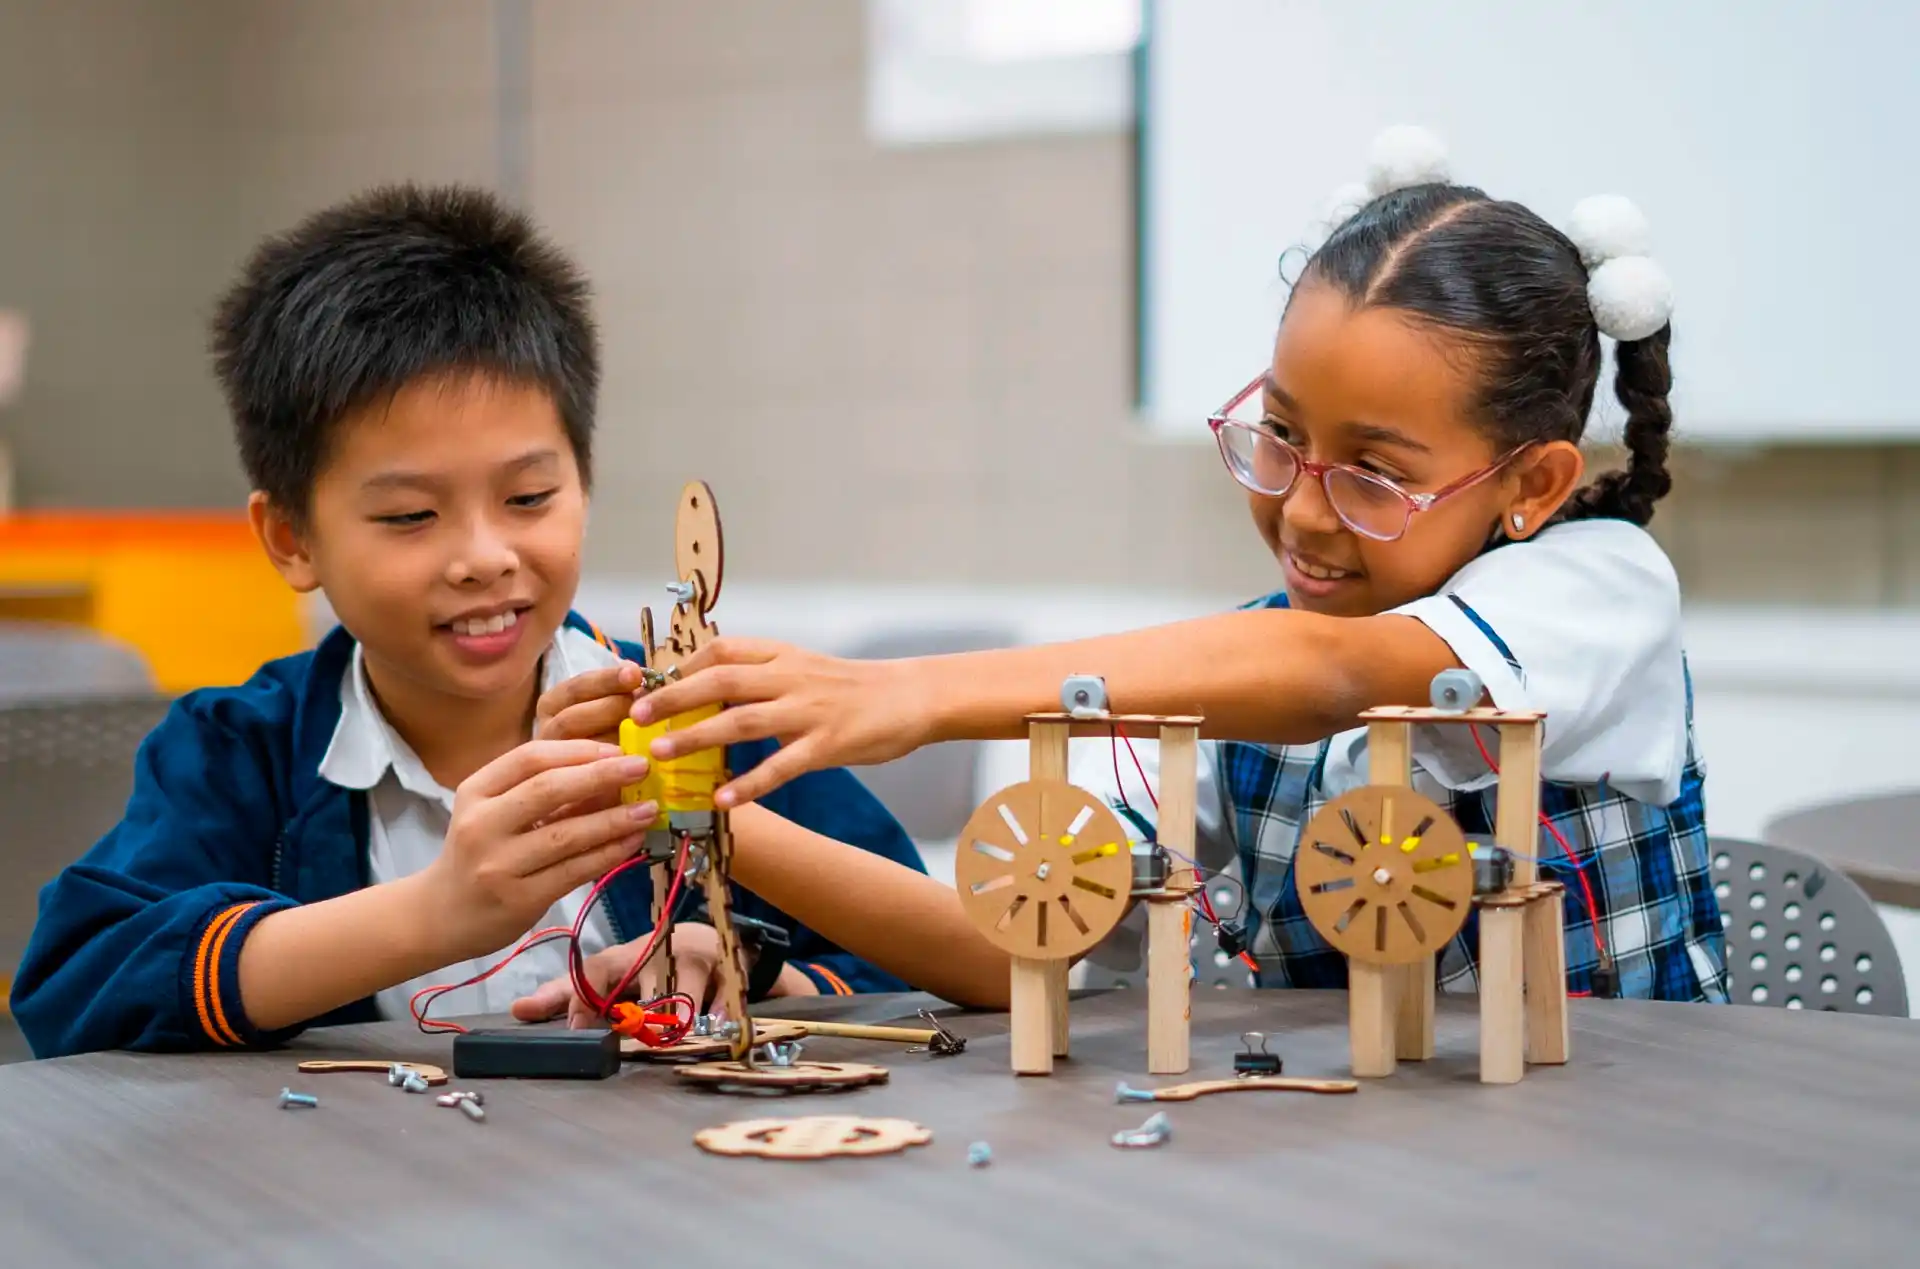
[1043, 869]
[697, 545]
[699, 1047]
[801, 1077]
[1384, 875]
[815, 1137]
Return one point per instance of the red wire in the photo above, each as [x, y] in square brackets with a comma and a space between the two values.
[603, 1005]
[1593, 912]
[1117, 733]
[666, 921]
[440, 989]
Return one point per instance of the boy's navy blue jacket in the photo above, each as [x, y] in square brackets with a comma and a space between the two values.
[137, 945]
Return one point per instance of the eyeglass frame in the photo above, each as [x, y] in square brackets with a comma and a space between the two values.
[1303, 466]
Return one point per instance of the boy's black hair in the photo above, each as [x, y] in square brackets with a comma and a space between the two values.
[1513, 288]
[398, 284]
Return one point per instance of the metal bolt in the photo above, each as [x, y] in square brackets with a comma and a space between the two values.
[1152, 1133]
[1122, 1093]
[414, 1083]
[682, 592]
[1381, 876]
[471, 1109]
[397, 1073]
[290, 1099]
[979, 1154]
[777, 1054]
[1042, 871]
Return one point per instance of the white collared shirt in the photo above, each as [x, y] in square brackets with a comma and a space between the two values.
[409, 812]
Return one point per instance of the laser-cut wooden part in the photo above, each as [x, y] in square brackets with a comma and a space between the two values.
[801, 1077]
[1169, 983]
[814, 1137]
[1043, 872]
[1254, 1084]
[1384, 875]
[321, 1066]
[1370, 1018]
[1516, 814]
[699, 1048]
[1030, 1011]
[698, 547]
[1424, 714]
[1390, 761]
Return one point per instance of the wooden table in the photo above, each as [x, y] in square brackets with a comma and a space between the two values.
[1869, 839]
[1681, 1134]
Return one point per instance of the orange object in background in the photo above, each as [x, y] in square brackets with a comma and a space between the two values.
[191, 591]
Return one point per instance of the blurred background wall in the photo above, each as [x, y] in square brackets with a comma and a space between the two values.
[939, 335]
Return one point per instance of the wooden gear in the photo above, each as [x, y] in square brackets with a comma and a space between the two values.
[1044, 871]
[1386, 877]
[801, 1077]
[815, 1137]
[699, 553]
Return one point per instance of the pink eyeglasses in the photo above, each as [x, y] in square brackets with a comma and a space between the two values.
[1370, 505]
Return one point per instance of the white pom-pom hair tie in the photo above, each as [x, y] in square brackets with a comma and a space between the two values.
[1404, 156]
[1631, 295]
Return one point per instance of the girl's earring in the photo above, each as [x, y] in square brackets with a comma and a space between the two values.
[1519, 523]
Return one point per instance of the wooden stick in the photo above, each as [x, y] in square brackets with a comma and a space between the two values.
[1057, 1004]
[1169, 985]
[1029, 1018]
[1544, 948]
[1503, 1018]
[1390, 761]
[1047, 760]
[1253, 1084]
[1516, 819]
[1370, 1009]
[849, 1031]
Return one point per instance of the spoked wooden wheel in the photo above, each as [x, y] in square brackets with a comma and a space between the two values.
[1043, 870]
[1384, 875]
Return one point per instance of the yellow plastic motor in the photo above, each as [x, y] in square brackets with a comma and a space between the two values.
[686, 783]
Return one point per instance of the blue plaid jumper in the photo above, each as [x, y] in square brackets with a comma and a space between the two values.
[1647, 865]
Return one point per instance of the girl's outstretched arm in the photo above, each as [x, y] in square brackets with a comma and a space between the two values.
[1279, 676]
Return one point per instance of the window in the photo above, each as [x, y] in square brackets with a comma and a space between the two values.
[963, 70]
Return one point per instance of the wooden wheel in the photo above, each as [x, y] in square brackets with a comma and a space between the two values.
[801, 1077]
[1043, 870]
[1384, 875]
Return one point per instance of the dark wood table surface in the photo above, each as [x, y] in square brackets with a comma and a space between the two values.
[1680, 1134]
[1870, 839]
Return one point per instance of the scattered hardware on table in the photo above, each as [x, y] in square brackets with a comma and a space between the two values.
[1241, 1084]
[290, 1100]
[1254, 1058]
[426, 1071]
[979, 1154]
[1156, 1130]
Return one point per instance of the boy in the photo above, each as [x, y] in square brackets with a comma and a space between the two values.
[412, 377]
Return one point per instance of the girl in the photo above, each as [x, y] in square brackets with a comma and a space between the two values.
[1416, 472]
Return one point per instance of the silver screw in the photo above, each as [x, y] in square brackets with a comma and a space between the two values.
[290, 1099]
[979, 1154]
[1042, 871]
[1151, 1133]
[471, 1109]
[682, 592]
[397, 1074]
[1124, 1094]
[414, 1083]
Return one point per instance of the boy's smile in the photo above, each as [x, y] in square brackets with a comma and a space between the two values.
[445, 528]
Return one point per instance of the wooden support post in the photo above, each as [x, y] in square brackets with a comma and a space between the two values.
[1370, 1021]
[1545, 971]
[1179, 777]
[1169, 985]
[1516, 824]
[1503, 1018]
[1390, 761]
[1030, 1017]
[1057, 1004]
[1047, 751]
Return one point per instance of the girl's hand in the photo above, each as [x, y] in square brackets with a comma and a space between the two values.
[696, 954]
[825, 711]
[588, 706]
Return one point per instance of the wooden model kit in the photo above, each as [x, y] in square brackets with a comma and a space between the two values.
[1045, 871]
[1387, 877]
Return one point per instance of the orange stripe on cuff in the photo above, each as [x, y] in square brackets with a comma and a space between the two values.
[834, 980]
[206, 973]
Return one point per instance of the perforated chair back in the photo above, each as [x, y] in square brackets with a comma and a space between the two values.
[1801, 935]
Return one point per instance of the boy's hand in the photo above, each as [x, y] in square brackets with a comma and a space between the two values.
[825, 711]
[696, 954]
[515, 846]
[588, 706]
